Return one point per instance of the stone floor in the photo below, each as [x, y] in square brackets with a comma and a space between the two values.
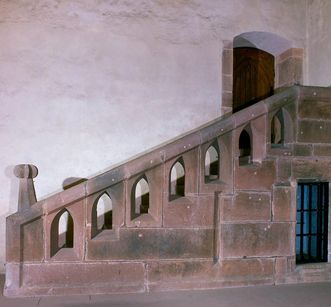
[312, 295]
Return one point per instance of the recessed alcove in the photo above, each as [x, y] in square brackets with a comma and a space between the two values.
[177, 180]
[212, 163]
[62, 232]
[140, 198]
[245, 146]
[102, 215]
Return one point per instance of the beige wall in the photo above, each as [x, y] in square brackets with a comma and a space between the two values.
[87, 84]
[318, 41]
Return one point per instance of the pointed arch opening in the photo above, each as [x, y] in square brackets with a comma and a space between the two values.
[277, 130]
[102, 214]
[281, 129]
[177, 180]
[62, 232]
[245, 147]
[255, 61]
[140, 197]
[212, 163]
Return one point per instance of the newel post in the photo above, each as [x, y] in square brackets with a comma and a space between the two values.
[27, 195]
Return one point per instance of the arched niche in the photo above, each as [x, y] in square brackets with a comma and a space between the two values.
[281, 128]
[212, 163]
[245, 146]
[140, 197]
[177, 180]
[62, 232]
[277, 129]
[102, 214]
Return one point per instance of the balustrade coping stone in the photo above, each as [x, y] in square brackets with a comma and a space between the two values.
[168, 150]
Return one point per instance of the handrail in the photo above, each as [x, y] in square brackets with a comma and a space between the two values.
[164, 152]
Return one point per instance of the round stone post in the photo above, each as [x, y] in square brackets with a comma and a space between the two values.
[27, 195]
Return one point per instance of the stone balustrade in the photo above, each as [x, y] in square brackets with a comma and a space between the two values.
[212, 208]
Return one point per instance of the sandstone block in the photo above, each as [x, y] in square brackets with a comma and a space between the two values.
[205, 274]
[290, 71]
[259, 240]
[255, 177]
[227, 83]
[32, 248]
[315, 109]
[248, 206]
[246, 269]
[216, 129]
[193, 211]
[53, 279]
[302, 150]
[311, 169]
[181, 145]
[312, 131]
[227, 61]
[178, 271]
[322, 150]
[227, 99]
[284, 170]
[283, 204]
[105, 180]
[154, 243]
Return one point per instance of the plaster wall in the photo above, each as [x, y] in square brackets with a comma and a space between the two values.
[318, 41]
[87, 84]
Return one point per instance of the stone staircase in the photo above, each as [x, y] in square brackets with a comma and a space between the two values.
[215, 207]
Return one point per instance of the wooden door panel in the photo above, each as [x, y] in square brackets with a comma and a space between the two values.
[253, 76]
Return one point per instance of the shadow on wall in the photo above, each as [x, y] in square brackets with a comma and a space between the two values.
[71, 182]
[13, 207]
[3, 243]
[14, 189]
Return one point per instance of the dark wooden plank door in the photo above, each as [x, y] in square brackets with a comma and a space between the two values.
[253, 76]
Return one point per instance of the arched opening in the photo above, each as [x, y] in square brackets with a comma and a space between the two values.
[140, 197]
[253, 76]
[177, 180]
[245, 148]
[254, 66]
[212, 163]
[62, 232]
[102, 214]
[277, 129]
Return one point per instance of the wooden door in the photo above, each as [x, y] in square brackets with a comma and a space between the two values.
[253, 76]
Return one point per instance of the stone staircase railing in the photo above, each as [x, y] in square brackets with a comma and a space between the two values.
[204, 210]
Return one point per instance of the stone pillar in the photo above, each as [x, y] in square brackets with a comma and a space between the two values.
[27, 195]
[289, 68]
[227, 77]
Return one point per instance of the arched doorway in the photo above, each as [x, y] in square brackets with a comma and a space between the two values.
[253, 76]
[287, 67]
